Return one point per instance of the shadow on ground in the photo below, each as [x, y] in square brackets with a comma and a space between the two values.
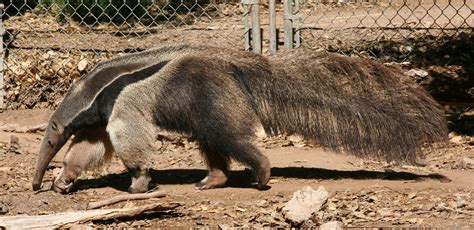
[245, 178]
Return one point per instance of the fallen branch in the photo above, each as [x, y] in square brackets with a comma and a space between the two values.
[457, 211]
[62, 220]
[120, 198]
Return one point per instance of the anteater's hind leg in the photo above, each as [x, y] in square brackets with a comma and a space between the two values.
[218, 167]
[220, 149]
[247, 153]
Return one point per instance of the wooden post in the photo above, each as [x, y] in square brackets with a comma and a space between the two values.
[2, 85]
[297, 19]
[273, 31]
[256, 32]
[288, 14]
[246, 25]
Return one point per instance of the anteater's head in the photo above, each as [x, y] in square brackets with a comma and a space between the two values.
[55, 137]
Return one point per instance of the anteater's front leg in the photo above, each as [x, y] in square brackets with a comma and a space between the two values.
[132, 138]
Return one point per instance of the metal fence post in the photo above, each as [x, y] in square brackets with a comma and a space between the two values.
[273, 31]
[288, 14]
[2, 85]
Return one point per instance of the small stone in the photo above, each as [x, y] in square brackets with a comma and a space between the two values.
[332, 207]
[422, 49]
[75, 74]
[262, 203]
[240, 209]
[223, 226]
[412, 195]
[452, 204]
[333, 225]
[14, 140]
[461, 203]
[295, 138]
[3, 208]
[273, 181]
[81, 66]
[122, 225]
[139, 223]
[405, 63]
[56, 67]
[48, 74]
[372, 198]
[457, 139]
[417, 73]
[385, 212]
[62, 73]
[467, 163]
[304, 203]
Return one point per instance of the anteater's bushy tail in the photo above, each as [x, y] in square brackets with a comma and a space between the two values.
[348, 104]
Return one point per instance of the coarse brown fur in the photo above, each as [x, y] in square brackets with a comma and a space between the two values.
[219, 97]
[358, 106]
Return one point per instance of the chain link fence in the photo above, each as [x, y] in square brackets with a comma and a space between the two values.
[50, 43]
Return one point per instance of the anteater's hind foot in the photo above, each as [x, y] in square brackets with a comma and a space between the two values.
[218, 167]
[215, 179]
[140, 180]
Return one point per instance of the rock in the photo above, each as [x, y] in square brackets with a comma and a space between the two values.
[304, 203]
[452, 204]
[14, 140]
[262, 203]
[461, 203]
[467, 163]
[333, 225]
[457, 139]
[422, 49]
[81, 66]
[48, 74]
[471, 91]
[295, 138]
[56, 67]
[417, 73]
[3, 208]
[62, 73]
[223, 226]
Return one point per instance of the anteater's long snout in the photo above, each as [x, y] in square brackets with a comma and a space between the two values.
[45, 156]
[51, 143]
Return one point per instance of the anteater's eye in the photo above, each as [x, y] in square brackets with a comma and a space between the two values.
[54, 126]
[50, 143]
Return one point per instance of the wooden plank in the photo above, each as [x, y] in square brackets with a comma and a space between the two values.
[81, 216]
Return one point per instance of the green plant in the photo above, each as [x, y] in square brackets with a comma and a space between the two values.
[14, 7]
[94, 11]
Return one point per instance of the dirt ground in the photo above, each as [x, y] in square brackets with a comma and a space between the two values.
[363, 193]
